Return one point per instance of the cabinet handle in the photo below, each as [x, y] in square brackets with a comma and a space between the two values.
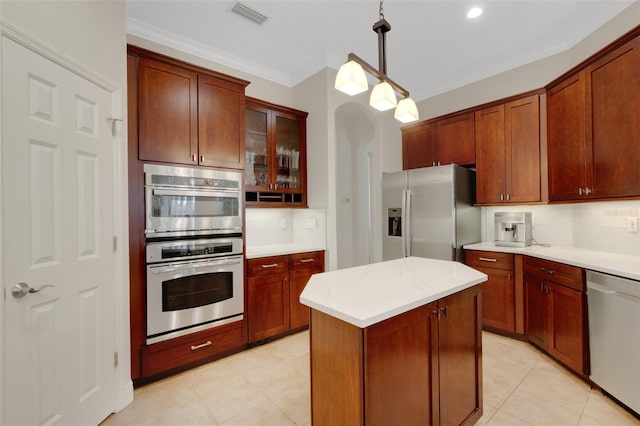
[584, 191]
[508, 197]
[307, 260]
[202, 158]
[509, 276]
[193, 158]
[542, 287]
[548, 271]
[270, 265]
[203, 345]
[487, 259]
[501, 197]
[433, 163]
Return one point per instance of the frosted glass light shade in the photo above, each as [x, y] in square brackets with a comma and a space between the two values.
[382, 97]
[351, 79]
[406, 111]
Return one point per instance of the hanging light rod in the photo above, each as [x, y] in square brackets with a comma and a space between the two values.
[352, 80]
[377, 74]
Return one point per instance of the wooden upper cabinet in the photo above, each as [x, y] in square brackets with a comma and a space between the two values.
[168, 108]
[438, 142]
[188, 114]
[594, 129]
[420, 146]
[276, 155]
[456, 140]
[508, 152]
[522, 143]
[613, 99]
[220, 123]
[490, 155]
[566, 126]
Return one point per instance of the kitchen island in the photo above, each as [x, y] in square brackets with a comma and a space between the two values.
[396, 342]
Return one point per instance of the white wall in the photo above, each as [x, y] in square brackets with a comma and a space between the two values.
[597, 226]
[302, 227]
[90, 34]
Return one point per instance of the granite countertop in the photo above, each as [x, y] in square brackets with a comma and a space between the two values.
[606, 262]
[366, 295]
[253, 252]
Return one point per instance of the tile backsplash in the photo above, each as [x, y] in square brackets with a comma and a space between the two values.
[306, 227]
[600, 226]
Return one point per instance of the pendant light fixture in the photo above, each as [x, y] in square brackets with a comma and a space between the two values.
[351, 79]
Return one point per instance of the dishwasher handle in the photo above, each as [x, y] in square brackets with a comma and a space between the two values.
[604, 289]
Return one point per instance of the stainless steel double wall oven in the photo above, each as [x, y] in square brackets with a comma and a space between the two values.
[194, 249]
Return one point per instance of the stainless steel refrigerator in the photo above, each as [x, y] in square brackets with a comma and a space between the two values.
[429, 212]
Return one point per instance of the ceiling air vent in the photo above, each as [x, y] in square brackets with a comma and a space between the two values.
[249, 13]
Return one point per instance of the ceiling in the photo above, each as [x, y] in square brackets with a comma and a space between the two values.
[431, 48]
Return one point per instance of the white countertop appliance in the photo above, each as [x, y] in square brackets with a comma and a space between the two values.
[513, 229]
[614, 336]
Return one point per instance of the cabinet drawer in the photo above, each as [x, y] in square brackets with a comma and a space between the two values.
[267, 265]
[307, 260]
[489, 259]
[560, 273]
[174, 353]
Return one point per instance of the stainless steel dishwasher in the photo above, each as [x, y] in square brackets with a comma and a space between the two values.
[614, 336]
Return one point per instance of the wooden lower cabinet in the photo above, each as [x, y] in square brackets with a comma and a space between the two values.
[499, 291]
[555, 308]
[274, 285]
[420, 367]
[192, 349]
[302, 266]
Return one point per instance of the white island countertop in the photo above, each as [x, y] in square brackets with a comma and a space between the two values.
[609, 263]
[366, 295]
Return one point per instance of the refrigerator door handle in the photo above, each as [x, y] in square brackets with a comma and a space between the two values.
[403, 222]
[407, 219]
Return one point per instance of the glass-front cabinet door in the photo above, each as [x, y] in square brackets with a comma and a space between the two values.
[275, 172]
[256, 151]
[287, 152]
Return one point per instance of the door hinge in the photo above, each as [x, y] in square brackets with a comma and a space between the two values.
[115, 243]
[115, 359]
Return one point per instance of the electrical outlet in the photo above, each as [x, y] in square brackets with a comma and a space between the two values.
[632, 224]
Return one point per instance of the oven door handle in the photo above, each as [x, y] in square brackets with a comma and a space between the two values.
[201, 264]
[199, 193]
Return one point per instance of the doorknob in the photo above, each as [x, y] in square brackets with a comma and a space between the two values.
[20, 290]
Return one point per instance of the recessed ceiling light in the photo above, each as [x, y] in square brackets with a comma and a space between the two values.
[474, 13]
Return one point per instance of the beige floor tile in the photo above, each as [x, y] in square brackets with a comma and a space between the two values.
[302, 364]
[228, 399]
[539, 411]
[266, 414]
[607, 411]
[500, 418]
[553, 382]
[296, 402]
[487, 412]
[167, 403]
[500, 378]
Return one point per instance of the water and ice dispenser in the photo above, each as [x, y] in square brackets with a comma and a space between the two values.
[513, 229]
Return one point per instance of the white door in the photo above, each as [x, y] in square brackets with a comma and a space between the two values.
[58, 226]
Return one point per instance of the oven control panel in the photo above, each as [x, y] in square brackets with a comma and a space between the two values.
[192, 249]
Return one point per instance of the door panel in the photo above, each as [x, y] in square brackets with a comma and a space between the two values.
[58, 222]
